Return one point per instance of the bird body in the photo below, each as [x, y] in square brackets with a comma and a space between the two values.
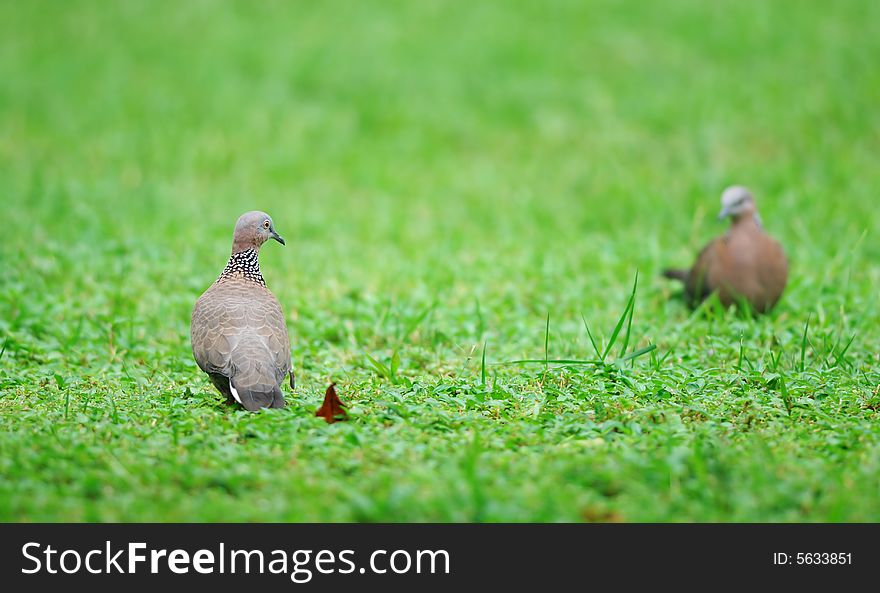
[746, 264]
[239, 337]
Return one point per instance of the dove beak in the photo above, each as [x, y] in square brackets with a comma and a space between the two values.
[277, 237]
[725, 212]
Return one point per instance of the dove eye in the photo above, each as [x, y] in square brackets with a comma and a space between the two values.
[266, 224]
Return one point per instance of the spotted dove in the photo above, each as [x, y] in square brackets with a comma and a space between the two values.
[744, 265]
[238, 333]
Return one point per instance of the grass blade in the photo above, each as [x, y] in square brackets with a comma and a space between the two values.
[636, 353]
[395, 364]
[563, 361]
[786, 398]
[592, 340]
[547, 338]
[804, 343]
[632, 307]
[739, 363]
[622, 320]
[546, 346]
[843, 352]
[380, 368]
[418, 320]
[616, 332]
[483, 366]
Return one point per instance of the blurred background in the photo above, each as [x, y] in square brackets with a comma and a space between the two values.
[437, 137]
[548, 148]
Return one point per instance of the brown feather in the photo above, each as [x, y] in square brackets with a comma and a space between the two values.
[746, 266]
[239, 336]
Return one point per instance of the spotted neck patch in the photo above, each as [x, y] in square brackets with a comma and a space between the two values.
[244, 264]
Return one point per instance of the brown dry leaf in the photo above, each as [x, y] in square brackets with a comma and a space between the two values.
[332, 409]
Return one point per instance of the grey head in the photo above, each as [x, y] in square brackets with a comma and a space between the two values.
[737, 202]
[252, 230]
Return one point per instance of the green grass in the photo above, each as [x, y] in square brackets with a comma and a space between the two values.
[461, 185]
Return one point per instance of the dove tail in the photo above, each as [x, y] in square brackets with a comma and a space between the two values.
[258, 396]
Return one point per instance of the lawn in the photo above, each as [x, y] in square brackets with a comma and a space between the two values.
[461, 185]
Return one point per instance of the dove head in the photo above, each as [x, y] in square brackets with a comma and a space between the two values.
[252, 230]
[737, 203]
